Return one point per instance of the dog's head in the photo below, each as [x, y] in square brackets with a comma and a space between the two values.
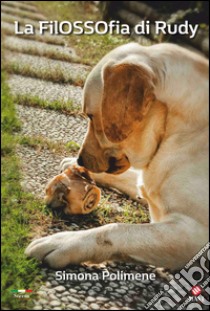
[73, 191]
[117, 107]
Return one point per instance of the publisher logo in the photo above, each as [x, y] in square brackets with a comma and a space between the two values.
[21, 293]
[188, 289]
[196, 290]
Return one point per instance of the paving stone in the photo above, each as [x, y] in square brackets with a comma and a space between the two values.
[21, 5]
[40, 48]
[8, 28]
[46, 68]
[60, 289]
[6, 17]
[51, 125]
[55, 303]
[22, 13]
[45, 90]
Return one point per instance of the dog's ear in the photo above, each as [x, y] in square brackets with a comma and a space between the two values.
[127, 96]
[83, 172]
[62, 185]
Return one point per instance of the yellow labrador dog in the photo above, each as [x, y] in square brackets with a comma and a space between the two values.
[148, 109]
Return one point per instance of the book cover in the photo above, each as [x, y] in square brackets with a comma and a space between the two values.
[105, 155]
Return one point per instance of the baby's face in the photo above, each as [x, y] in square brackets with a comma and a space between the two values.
[73, 191]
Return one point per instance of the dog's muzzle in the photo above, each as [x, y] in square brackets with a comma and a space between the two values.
[107, 163]
[118, 166]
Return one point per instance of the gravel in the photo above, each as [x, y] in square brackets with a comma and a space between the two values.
[80, 299]
[37, 169]
[19, 11]
[55, 303]
[40, 66]
[23, 21]
[60, 289]
[51, 124]
[40, 48]
[45, 90]
[37, 307]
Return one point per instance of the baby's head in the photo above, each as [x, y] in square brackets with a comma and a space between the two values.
[74, 191]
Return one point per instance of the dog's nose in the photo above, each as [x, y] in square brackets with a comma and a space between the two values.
[80, 161]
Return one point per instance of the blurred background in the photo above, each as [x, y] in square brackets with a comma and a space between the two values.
[132, 12]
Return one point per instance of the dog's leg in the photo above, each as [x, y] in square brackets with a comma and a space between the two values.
[167, 244]
[67, 162]
[126, 182]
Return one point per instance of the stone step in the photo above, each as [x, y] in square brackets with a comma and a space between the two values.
[9, 29]
[10, 18]
[51, 125]
[21, 13]
[40, 48]
[47, 91]
[37, 169]
[45, 68]
[21, 5]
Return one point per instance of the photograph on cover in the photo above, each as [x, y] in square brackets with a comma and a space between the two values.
[105, 128]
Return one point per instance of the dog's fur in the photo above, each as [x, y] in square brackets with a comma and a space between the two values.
[149, 110]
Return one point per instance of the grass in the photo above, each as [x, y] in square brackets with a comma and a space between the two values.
[127, 213]
[90, 48]
[42, 51]
[41, 143]
[55, 74]
[9, 121]
[19, 210]
[72, 146]
[34, 101]
[106, 213]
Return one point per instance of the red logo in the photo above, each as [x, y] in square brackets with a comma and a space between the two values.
[196, 290]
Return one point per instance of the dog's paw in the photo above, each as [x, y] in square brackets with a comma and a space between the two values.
[57, 250]
[66, 163]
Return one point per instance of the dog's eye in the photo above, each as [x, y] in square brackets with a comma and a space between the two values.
[90, 116]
